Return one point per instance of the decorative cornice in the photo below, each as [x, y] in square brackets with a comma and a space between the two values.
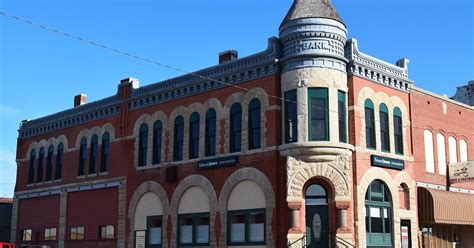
[376, 70]
[242, 70]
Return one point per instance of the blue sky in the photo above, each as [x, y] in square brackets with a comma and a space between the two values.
[40, 72]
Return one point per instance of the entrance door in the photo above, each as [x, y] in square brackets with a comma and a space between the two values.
[317, 217]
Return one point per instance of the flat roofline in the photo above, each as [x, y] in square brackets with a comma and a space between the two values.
[444, 98]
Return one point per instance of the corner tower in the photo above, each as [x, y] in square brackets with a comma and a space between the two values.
[314, 85]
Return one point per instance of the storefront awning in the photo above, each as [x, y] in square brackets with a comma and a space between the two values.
[444, 207]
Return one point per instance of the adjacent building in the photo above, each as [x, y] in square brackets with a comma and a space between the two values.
[465, 94]
[309, 143]
[5, 219]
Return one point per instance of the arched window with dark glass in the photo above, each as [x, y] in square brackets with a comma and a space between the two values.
[105, 153]
[93, 154]
[291, 117]
[194, 136]
[369, 124]
[398, 130]
[157, 139]
[384, 128]
[142, 145]
[210, 133]
[318, 114]
[378, 217]
[59, 162]
[254, 123]
[82, 157]
[49, 163]
[31, 169]
[178, 138]
[236, 128]
[39, 170]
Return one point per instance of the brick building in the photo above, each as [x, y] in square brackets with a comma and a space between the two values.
[319, 145]
[5, 219]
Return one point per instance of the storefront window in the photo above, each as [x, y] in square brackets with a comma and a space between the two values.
[193, 229]
[378, 217]
[246, 227]
[291, 117]
[154, 231]
[318, 114]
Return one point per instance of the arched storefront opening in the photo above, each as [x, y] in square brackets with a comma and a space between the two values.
[317, 216]
[378, 217]
[148, 221]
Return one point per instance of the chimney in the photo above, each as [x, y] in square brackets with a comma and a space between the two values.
[80, 99]
[126, 86]
[228, 56]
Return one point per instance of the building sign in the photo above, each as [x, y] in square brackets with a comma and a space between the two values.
[218, 162]
[461, 172]
[140, 239]
[387, 162]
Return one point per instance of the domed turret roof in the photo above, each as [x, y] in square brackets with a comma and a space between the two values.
[312, 9]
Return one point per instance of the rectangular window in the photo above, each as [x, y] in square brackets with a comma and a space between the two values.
[318, 114]
[246, 227]
[193, 229]
[384, 131]
[26, 235]
[211, 136]
[50, 234]
[179, 141]
[77, 233]
[82, 159]
[370, 128]
[157, 137]
[291, 117]
[104, 164]
[154, 231]
[106, 232]
[342, 116]
[398, 130]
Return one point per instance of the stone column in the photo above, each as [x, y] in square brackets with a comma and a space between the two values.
[121, 215]
[14, 223]
[62, 218]
[342, 217]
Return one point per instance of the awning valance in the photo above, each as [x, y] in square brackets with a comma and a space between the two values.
[445, 207]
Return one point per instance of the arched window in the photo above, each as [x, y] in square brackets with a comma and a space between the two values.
[194, 218]
[194, 136]
[404, 196]
[441, 145]
[254, 123]
[93, 154]
[59, 162]
[143, 145]
[236, 128]
[384, 128]
[463, 150]
[157, 139]
[453, 150]
[429, 151]
[291, 117]
[318, 114]
[39, 170]
[82, 157]
[369, 124]
[178, 138]
[31, 170]
[210, 132]
[342, 116]
[149, 220]
[105, 153]
[378, 217]
[398, 130]
[49, 164]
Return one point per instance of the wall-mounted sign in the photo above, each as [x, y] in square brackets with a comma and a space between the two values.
[461, 172]
[387, 162]
[140, 239]
[218, 162]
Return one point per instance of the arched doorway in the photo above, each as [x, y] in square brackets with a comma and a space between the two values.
[317, 216]
[378, 217]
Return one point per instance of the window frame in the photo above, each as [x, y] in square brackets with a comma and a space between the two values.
[143, 145]
[342, 115]
[23, 235]
[194, 126]
[49, 164]
[291, 118]
[39, 169]
[82, 157]
[157, 142]
[50, 237]
[384, 128]
[247, 213]
[178, 139]
[77, 228]
[385, 204]
[59, 162]
[194, 217]
[235, 144]
[147, 232]
[93, 155]
[101, 227]
[316, 94]
[210, 133]
[398, 131]
[254, 124]
[372, 142]
[105, 153]
[31, 168]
